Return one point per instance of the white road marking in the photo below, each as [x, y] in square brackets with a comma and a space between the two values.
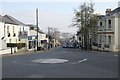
[79, 61]
[50, 61]
[82, 60]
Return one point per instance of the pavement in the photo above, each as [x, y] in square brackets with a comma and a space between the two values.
[26, 52]
[81, 64]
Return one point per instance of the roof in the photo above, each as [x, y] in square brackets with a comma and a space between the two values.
[31, 25]
[117, 10]
[101, 16]
[10, 19]
[7, 20]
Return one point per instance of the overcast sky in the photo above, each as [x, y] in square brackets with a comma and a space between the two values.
[57, 14]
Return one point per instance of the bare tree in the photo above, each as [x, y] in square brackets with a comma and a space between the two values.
[85, 20]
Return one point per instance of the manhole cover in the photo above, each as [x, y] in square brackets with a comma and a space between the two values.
[50, 61]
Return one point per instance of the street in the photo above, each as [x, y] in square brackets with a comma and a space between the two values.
[79, 64]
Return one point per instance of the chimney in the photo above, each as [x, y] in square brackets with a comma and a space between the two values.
[108, 11]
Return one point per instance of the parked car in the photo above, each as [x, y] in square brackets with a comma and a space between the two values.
[64, 46]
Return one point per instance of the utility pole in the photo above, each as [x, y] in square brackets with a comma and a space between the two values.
[48, 38]
[37, 26]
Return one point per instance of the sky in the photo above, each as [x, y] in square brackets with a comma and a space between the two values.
[55, 13]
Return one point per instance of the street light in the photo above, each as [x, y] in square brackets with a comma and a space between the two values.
[48, 38]
[37, 26]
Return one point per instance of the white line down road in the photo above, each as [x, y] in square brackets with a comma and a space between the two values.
[79, 61]
[82, 60]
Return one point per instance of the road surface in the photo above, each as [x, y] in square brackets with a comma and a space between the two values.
[79, 64]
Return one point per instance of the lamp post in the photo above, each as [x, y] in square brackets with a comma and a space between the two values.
[49, 37]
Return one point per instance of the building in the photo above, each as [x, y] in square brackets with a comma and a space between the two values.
[10, 32]
[32, 38]
[22, 33]
[2, 39]
[108, 35]
[15, 34]
[44, 40]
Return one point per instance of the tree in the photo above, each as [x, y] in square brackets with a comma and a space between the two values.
[86, 21]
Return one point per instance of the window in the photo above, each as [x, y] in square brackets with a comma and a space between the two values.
[100, 38]
[105, 38]
[31, 28]
[109, 23]
[109, 40]
[16, 40]
[7, 29]
[23, 29]
[20, 28]
[13, 29]
[100, 23]
[9, 40]
[46, 36]
[14, 32]
[79, 38]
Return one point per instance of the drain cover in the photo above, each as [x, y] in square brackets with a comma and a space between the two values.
[50, 61]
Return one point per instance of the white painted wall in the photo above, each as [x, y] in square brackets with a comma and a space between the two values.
[2, 42]
[24, 40]
[13, 39]
[119, 32]
[33, 32]
[26, 28]
[43, 37]
[114, 37]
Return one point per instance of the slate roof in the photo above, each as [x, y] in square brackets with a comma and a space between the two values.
[31, 25]
[117, 10]
[101, 16]
[11, 20]
[15, 21]
[0, 18]
[7, 20]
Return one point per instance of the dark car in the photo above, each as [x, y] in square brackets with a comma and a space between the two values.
[64, 46]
